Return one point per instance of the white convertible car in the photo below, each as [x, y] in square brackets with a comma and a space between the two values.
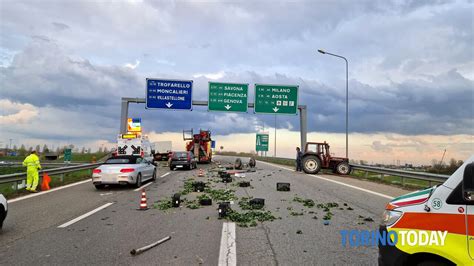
[123, 170]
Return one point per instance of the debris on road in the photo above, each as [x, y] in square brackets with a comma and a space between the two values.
[205, 200]
[249, 218]
[299, 232]
[163, 205]
[227, 179]
[252, 163]
[188, 186]
[328, 216]
[152, 245]
[223, 209]
[257, 203]
[365, 219]
[238, 164]
[192, 204]
[251, 204]
[244, 184]
[221, 194]
[283, 186]
[296, 213]
[306, 202]
[199, 186]
[175, 200]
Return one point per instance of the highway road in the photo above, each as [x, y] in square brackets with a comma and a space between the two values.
[82, 225]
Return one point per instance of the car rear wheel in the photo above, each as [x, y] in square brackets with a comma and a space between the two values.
[139, 180]
[171, 168]
[99, 187]
[311, 164]
[343, 168]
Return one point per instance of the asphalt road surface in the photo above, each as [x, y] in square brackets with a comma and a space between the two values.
[82, 225]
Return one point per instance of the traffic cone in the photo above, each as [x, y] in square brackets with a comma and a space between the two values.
[143, 204]
[45, 182]
[201, 173]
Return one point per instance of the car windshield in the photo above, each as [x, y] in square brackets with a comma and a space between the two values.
[123, 160]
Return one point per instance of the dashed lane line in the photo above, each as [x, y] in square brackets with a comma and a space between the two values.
[228, 249]
[85, 215]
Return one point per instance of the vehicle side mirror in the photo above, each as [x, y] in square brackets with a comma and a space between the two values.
[468, 182]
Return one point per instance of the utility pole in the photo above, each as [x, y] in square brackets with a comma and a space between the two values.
[347, 97]
[10, 147]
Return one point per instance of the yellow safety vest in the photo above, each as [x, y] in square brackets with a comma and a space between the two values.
[32, 162]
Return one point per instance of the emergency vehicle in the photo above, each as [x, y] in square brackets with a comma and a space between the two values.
[446, 209]
[139, 145]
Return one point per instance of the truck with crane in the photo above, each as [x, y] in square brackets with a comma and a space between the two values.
[199, 144]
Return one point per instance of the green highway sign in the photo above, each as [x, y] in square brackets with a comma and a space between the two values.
[67, 155]
[262, 142]
[276, 99]
[228, 97]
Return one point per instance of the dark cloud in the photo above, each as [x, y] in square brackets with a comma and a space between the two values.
[410, 62]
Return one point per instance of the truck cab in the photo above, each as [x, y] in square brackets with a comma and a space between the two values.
[446, 210]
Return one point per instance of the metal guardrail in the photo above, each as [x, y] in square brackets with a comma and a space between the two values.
[401, 173]
[20, 164]
[53, 171]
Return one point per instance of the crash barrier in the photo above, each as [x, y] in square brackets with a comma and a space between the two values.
[17, 177]
[20, 164]
[431, 178]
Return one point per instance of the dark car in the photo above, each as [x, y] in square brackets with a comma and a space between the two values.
[183, 160]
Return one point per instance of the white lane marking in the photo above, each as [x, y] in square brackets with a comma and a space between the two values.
[144, 186]
[228, 249]
[105, 194]
[48, 191]
[337, 182]
[75, 220]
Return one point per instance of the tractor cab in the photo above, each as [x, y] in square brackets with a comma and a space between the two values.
[317, 156]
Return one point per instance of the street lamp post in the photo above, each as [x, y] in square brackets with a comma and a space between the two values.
[347, 97]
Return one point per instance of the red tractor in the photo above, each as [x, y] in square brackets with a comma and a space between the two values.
[317, 156]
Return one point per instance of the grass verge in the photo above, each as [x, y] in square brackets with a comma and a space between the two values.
[9, 191]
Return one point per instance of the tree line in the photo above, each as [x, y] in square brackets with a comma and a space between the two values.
[23, 150]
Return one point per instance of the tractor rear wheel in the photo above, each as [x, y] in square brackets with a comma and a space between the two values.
[311, 164]
[343, 168]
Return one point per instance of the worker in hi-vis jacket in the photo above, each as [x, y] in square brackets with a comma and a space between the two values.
[32, 164]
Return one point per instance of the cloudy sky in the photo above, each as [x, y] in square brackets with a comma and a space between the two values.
[64, 68]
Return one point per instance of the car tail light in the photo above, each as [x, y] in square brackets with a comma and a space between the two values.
[142, 154]
[127, 170]
[96, 171]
